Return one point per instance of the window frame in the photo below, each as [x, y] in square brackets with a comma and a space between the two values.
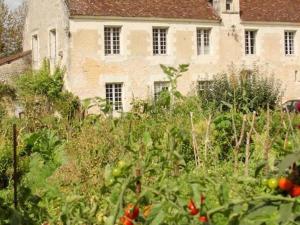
[207, 85]
[289, 47]
[114, 47]
[111, 98]
[247, 39]
[52, 57]
[35, 50]
[202, 48]
[161, 85]
[160, 51]
[230, 4]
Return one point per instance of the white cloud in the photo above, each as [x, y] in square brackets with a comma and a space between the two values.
[13, 3]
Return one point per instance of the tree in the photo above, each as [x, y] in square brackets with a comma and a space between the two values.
[11, 29]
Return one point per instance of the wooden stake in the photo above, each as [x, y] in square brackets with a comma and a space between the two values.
[15, 165]
[247, 155]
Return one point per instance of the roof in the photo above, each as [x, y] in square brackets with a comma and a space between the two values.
[172, 9]
[11, 58]
[270, 10]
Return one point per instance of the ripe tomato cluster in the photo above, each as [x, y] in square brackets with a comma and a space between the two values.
[195, 211]
[286, 185]
[131, 213]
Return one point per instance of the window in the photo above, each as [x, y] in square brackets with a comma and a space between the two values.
[229, 5]
[159, 41]
[52, 46]
[35, 50]
[205, 85]
[160, 87]
[112, 40]
[250, 42]
[289, 42]
[114, 95]
[203, 41]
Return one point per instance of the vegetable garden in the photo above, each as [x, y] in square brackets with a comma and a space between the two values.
[224, 156]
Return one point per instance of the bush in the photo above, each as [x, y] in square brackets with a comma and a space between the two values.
[244, 90]
[39, 87]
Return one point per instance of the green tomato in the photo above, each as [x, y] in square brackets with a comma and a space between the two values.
[116, 172]
[273, 183]
[122, 164]
[265, 182]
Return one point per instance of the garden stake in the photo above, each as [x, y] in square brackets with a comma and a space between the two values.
[249, 134]
[267, 143]
[207, 137]
[195, 145]
[15, 178]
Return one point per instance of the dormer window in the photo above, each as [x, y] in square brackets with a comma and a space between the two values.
[229, 5]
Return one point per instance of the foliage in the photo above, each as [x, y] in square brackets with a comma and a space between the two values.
[87, 169]
[11, 29]
[36, 87]
[243, 90]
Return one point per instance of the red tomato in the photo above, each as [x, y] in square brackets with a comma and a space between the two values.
[295, 191]
[132, 212]
[203, 219]
[192, 205]
[127, 222]
[194, 211]
[285, 184]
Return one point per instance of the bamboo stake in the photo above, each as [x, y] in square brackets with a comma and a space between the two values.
[15, 166]
[267, 143]
[207, 137]
[195, 145]
[249, 134]
[238, 140]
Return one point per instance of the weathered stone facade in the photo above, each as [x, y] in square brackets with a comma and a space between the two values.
[89, 69]
[15, 65]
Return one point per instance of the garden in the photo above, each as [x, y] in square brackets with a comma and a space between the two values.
[224, 155]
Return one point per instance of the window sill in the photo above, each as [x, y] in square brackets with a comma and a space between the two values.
[230, 12]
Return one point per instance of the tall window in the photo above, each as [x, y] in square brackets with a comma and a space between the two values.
[250, 42]
[160, 87]
[52, 46]
[35, 50]
[112, 40]
[204, 85]
[114, 95]
[160, 41]
[289, 42]
[203, 41]
[229, 6]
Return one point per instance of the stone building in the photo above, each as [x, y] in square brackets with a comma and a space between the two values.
[113, 48]
[14, 65]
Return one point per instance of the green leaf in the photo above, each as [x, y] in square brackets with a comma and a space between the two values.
[288, 161]
[147, 140]
[223, 194]
[285, 212]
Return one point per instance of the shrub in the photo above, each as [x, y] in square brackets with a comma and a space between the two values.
[244, 90]
[39, 87]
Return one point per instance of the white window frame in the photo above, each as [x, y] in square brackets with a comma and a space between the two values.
[112, 40]
[229, 5]
[250, 42]
[160, 41]
[289, 42]
[114, 95]
[52, 49]
[203, 41]
[203, 85]
[35, 50]
[159, 87]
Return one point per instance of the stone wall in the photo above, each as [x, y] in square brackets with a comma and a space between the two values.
[14, 65]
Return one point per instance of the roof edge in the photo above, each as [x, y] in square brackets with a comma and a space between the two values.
[11, 58]
[143, 19]
[246, 22]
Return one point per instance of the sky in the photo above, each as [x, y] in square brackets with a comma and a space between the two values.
[13, 3]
